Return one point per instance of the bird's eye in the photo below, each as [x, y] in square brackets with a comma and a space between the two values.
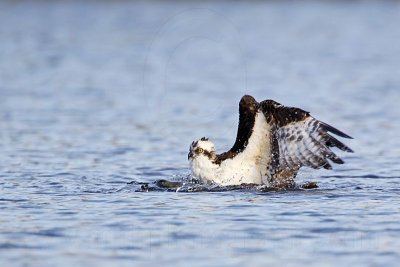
[200, 150]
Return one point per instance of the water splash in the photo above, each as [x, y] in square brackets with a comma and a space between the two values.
[189, 184]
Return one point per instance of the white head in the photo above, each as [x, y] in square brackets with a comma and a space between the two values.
[202, 159]
[202, 148]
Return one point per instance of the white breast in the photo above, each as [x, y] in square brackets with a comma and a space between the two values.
[249, 166]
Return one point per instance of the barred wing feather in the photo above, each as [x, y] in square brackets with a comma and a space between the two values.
[299, 139]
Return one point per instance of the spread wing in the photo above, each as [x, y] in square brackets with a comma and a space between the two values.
[299, 140]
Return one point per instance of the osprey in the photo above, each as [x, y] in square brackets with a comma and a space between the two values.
[273, 142]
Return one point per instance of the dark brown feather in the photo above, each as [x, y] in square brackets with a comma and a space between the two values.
[282, 115]
[247, 113]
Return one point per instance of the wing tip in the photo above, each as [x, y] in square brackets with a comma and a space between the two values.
[333, 142]
[338, 160]
[327, 166]
[335, 131]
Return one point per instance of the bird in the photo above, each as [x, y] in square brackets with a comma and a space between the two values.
[273, 142]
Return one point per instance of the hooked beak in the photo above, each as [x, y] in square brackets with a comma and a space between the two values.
[190, 155]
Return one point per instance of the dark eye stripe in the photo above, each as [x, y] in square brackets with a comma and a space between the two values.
[205, 152]
[208, 154]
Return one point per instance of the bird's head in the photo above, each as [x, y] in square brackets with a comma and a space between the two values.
[201, 148]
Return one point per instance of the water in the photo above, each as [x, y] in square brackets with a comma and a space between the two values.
[98, 97]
